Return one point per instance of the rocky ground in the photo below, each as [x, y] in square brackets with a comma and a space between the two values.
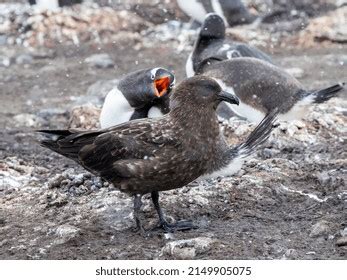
[288, 202]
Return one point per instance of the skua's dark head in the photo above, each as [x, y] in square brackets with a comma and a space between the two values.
[200, 92]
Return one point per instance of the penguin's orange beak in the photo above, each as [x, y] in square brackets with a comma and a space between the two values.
[161, 86]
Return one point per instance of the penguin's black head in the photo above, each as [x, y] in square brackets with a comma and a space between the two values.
[213, 27]
[145, 87]
[163, 81]
[200, 92]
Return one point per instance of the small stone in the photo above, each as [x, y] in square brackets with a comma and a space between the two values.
[169, 236]
[102, 60]
[344, 232]
[43, 53]
[56, 181]
[319, 229]
[73, 190]
[342, 241]
[3, 40]
[83, 189]
[180, 253]
[66, 233]
[97, 182]
[24, 59]
[69, 173]
[323, 178]
[5, 61]
[270, 153]
[88, 183]
[85, 116]
[78, 180]
[188, 248]
[291, 254]
[65, 183]
[58, 202]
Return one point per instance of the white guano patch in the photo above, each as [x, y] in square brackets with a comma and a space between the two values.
[310, 195]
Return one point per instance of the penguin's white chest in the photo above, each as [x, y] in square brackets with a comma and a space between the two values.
[116, 109]
[154, 112]
[247, 112]
[189, 66]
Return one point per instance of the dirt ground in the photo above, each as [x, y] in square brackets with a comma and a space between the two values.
[288, 202]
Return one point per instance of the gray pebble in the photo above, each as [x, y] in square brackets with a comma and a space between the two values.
[291, 254]
[88, 183]
[65, 183]
[5, 61]
[188, 248]
[78, 180]
[3, 40]
[102, 60]
[320, 229]
[24, 59]
[94, 188]
[56, 181]
[342, 241]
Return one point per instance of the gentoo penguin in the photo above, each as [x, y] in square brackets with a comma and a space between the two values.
[262, 87]
[233, 12]
[211, 46]
[53, 4]
[140, 94]
[152, 155]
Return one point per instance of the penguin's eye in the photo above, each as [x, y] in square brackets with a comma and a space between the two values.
[152, 77]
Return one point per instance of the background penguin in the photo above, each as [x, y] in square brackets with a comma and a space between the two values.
[261, 87]
[211, 46]
[53, 4]
[233, 12]
[140, 94]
